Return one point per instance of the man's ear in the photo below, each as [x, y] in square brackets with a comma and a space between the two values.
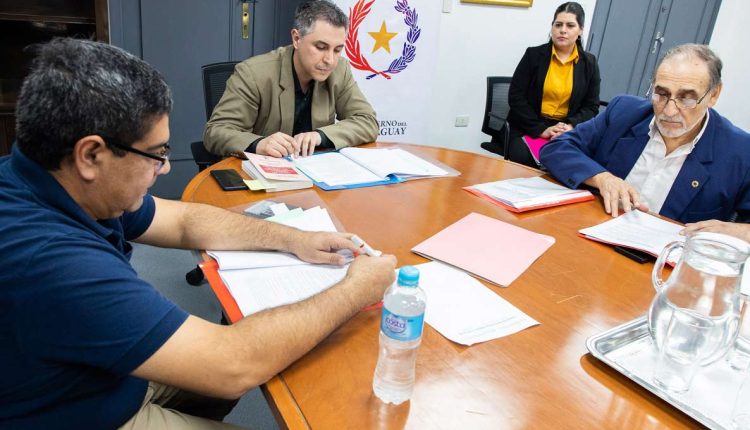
[295, 38]
[715, 95]
[88, 156]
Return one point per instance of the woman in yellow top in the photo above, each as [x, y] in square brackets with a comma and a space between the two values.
[555, 86]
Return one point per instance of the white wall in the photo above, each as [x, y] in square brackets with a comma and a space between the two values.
[730, 41]
[477, 41]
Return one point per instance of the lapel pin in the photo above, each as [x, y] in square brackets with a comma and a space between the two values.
[695, 184]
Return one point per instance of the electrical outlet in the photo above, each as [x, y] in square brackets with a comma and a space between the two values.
[462, 121]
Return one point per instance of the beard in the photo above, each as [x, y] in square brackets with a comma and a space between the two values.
[674, 132]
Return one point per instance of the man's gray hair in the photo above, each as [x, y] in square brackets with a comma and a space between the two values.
[313, 10]
[702, 52]
[78, 88]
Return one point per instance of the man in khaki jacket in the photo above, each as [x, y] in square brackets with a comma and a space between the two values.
[286, 102]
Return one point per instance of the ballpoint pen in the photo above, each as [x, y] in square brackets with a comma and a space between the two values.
[364, 247]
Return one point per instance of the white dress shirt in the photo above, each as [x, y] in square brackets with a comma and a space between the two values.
[654, 172]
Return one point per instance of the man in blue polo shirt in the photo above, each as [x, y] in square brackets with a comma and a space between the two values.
[85, 343]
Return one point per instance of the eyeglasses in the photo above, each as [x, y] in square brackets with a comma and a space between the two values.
[680, 102]
[161, 158]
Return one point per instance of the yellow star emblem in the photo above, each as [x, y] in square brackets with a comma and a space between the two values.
[382, 38]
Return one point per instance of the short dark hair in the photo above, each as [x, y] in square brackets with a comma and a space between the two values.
[78, 88]
[310, 11]
[703, 53]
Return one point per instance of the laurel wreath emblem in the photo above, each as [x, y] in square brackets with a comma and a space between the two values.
[357, 14]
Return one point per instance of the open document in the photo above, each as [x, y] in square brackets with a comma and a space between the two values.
[465, 311]
[313, 219]
[525, 194]
[637, 230]
[364, 167]
[259, 280]
[255, 290]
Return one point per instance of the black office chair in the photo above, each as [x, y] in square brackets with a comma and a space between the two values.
[214, 81]
[496, 111]
[602, 106]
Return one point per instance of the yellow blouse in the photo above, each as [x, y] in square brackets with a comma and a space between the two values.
[558, 85]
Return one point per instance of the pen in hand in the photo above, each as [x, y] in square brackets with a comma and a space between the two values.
[364, 247]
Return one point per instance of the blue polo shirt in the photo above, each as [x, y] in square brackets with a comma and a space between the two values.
[75, 320]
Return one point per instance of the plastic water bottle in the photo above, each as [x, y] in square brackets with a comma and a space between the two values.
[400, 335]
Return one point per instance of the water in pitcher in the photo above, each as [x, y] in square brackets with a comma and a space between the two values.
[705, 285]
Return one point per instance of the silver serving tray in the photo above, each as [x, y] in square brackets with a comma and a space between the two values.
[629, 350]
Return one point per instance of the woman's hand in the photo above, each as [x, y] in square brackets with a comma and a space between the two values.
[555, 130]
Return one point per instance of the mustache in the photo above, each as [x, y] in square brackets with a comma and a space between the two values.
[668, 118]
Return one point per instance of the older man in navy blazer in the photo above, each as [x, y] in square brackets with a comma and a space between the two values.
[671, 154]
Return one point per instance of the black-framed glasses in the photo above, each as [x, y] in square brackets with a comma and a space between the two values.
[161, 158]
[680, 102]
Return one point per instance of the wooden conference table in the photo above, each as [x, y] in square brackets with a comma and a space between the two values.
[542, 377]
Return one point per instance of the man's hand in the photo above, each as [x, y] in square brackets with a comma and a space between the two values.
[277, 145]
[306, 143]
[373, 274]
[739, 230]
[320, 247]
[555, 130]
[616, 193]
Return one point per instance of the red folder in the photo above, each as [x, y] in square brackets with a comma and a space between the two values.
[210, 271]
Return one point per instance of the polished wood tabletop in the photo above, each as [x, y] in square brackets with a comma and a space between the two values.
[542, 377]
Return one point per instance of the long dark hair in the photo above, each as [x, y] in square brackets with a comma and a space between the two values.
[577, 10]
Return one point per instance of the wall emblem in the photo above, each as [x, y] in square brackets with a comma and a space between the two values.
[353, 50]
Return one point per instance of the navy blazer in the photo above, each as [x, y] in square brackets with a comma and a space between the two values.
[527, 89]
[714, 182]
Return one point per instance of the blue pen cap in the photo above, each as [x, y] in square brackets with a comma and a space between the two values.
[408, 276]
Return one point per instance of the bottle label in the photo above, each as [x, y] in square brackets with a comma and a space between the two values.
[401, 328]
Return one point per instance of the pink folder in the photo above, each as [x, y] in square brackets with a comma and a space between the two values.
[486, 247]
[535, 145]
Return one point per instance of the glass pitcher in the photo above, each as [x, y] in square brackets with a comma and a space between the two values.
[705, 284]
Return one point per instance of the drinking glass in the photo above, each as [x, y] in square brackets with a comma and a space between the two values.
[684, 346]
[739, 355]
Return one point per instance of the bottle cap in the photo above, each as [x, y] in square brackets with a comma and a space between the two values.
[408, 276]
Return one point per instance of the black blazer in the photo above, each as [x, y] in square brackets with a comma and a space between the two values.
[527, 86]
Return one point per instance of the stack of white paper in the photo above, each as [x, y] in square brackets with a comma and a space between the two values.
[528, 193]
[261, 280]
[313, 219]
[255, 290]
[637, 230]
[464, 310]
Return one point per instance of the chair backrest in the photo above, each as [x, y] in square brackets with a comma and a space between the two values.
[496, 108]
[214, 82]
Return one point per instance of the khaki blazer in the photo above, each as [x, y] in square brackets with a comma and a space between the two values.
[259, 101]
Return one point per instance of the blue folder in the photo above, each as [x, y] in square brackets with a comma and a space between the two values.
[392, 179]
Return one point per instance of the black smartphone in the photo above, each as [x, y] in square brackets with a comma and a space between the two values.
[229, 179]
[634, 254]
